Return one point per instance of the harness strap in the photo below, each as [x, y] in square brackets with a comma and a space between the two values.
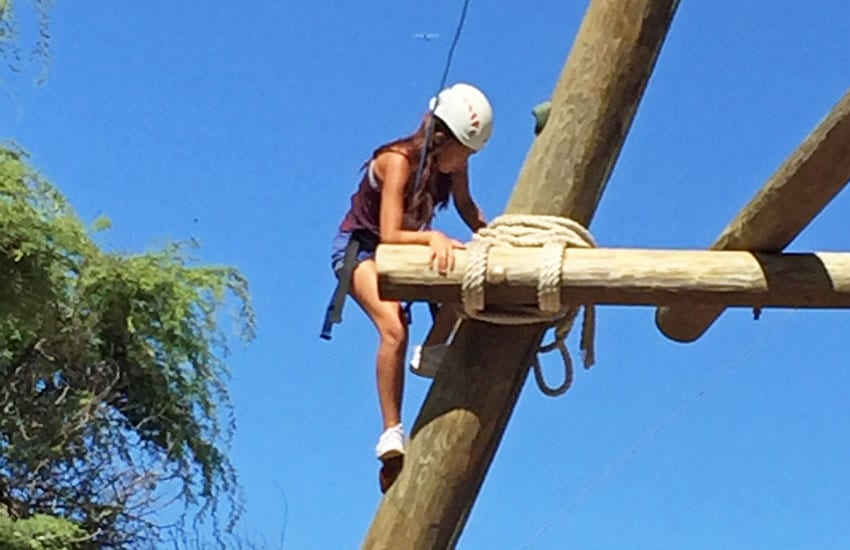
[333, 315]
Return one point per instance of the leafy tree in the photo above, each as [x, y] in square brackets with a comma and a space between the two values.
[113, 395]
[39, 532]
[10, 48]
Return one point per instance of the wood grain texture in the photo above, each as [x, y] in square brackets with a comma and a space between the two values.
[805, 183]
[464, 415]
[621, 276]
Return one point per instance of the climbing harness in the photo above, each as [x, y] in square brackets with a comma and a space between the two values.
[554, 235]
[360, 239]
[333, 314]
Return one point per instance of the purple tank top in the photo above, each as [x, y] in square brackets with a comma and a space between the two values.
[365, 206]
[365, 211]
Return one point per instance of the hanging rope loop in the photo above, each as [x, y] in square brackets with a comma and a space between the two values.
[553, 234]
[545, 388]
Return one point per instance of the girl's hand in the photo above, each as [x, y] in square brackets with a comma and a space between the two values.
[442, 252]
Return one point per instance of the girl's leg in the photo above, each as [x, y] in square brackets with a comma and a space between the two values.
[444, 324]
[392, 330]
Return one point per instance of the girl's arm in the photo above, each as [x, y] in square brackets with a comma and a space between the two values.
[393, 169]
[466, 207]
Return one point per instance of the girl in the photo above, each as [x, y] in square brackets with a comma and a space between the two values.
[390, 207]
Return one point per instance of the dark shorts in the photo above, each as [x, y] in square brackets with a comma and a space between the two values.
[338, 247]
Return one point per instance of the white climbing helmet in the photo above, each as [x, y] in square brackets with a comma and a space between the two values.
[467, 113]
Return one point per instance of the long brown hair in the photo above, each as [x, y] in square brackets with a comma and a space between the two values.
[432, 192]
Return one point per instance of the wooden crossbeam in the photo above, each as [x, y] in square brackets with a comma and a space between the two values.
[621, 276]
[805, 183]
[459, 428]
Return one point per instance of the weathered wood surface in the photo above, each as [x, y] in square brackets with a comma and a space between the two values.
[464, 415]
[805, 183]
[621, 276]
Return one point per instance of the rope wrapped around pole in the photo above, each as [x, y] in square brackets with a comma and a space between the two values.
[553, 234]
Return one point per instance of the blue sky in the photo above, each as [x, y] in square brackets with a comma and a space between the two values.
[244, 125]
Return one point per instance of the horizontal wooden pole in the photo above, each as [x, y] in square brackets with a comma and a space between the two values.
[619, 276]
[805, 183]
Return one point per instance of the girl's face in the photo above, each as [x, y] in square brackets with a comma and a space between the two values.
[453, 157]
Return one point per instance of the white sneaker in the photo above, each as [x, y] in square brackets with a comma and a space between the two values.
[391, 443]
[427, 360]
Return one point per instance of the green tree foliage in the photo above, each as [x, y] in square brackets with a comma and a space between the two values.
[40, 532]
[113, 392]
[11, 50]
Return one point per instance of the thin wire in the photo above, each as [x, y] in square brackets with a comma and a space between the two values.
[430, 129]
[649, 437]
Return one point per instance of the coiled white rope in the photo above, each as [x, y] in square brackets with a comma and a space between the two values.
[554, 234]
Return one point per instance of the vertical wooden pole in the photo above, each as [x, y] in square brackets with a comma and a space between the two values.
[465, 413]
